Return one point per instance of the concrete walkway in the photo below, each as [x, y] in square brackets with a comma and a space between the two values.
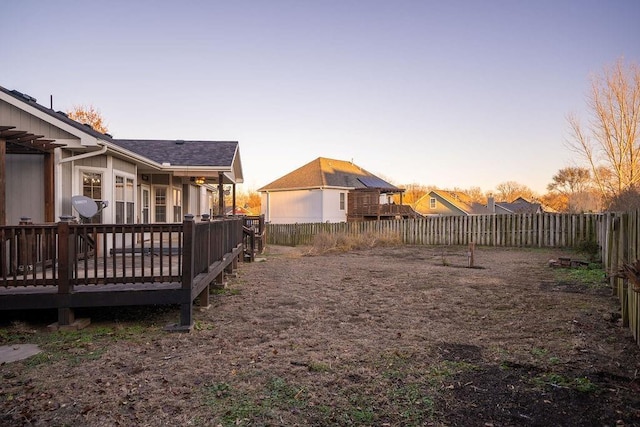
[12, 353]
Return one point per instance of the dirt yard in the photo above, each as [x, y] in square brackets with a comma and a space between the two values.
[390, 336]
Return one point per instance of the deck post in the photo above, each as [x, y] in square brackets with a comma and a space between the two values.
[65, 270]
[203, 298]
[186, 306]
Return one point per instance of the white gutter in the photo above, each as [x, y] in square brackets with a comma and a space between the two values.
[85, 155]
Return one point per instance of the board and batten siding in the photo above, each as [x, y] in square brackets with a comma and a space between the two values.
[13, 116]
[24, 188]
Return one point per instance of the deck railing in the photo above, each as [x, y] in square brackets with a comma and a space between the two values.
[255, 235]
[67, 265]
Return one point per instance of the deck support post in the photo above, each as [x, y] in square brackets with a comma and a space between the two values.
[186, 306]
[66, 253]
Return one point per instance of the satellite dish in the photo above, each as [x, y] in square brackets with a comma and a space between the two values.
[87, 207]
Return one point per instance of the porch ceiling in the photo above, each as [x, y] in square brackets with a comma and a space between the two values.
[23, 142]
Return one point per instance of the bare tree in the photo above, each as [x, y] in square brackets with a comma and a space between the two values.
[574, 190]
[510, 190]
[88, 115]
[476, 194]
[570, 180]
[609, 143]
[412, 193]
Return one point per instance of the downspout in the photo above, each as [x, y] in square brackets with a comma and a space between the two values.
[85, 155]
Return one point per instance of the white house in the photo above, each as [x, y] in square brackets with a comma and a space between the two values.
[329, 190]
[46, 158]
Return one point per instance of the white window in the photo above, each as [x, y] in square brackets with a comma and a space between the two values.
[177, 205]
[124, 193]
[145, 205]
[92, 188]
[160, 202]
[432, 203]
[342, 197]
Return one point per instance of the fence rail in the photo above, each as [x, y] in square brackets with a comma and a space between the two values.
[525, 230]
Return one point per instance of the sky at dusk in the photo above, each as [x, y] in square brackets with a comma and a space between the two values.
[441, 93]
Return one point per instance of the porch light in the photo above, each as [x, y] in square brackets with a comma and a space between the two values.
[200, 180]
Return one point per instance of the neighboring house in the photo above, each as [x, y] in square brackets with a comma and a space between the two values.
[328, 190]
[518, 206]
[442, 202]
[46, 158]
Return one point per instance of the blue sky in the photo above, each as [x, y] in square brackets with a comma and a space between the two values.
[448, 93]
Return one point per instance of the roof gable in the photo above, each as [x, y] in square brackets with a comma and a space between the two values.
[323, 172]
[29, 103]
[460, 201]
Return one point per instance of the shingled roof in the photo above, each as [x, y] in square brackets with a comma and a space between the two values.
[323, 172]
[183, 153]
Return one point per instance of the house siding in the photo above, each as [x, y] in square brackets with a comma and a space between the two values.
[290, 207]
[442, 207]
[331, 211]
[124, 166]
[25, 187]
[13, 116]
[93, 162]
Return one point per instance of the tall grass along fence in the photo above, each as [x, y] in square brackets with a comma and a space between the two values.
[524, 230]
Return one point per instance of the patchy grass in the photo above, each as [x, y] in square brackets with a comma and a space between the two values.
[553, 379]
[592, 275]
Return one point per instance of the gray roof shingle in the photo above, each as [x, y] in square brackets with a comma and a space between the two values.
[323, 172]
[183, 153]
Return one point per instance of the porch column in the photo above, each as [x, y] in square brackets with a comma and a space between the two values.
[234, 200]
[220, 194]
[3, 182]
[49, 192]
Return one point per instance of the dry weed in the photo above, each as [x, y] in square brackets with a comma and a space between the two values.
[342, 242]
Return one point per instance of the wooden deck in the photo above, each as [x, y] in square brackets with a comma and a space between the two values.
[66, 266]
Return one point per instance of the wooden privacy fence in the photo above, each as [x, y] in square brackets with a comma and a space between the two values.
[620, 245]
[617, 235]
[525, 230]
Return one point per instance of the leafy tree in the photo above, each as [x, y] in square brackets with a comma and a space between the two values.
[88, 115]
[557, 201]
[250, 200]
[609, 143]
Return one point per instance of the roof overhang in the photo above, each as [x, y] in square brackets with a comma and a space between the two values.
[325, 187]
